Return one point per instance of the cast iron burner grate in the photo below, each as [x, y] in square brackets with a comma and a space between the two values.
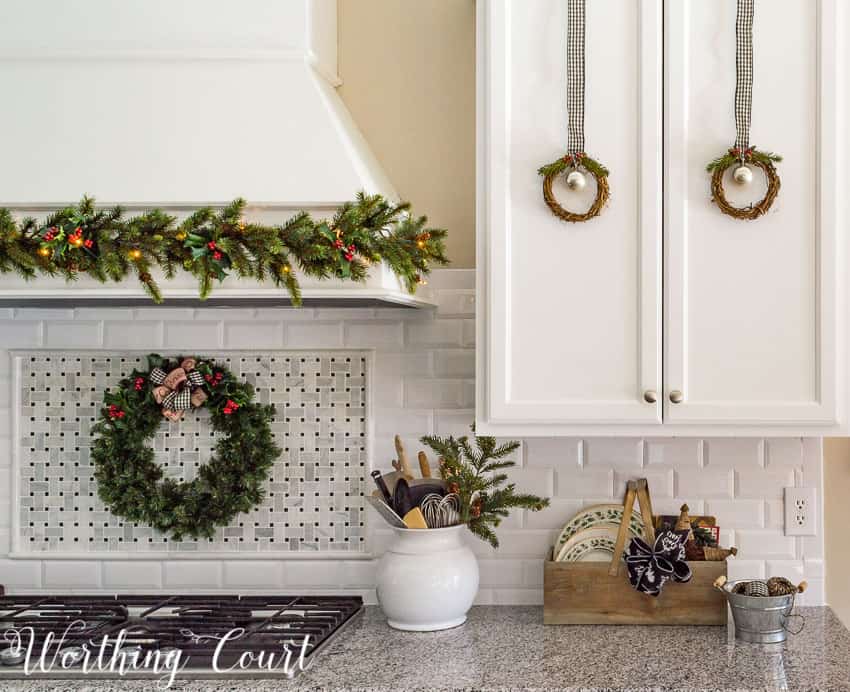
[192, 624]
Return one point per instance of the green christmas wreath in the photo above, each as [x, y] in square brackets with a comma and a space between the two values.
[132, 484]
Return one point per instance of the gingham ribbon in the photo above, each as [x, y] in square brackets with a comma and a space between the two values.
[743, 73]
[157, 376]
[180, 400]
[575, 75]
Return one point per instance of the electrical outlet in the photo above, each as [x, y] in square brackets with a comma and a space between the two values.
[800, 512]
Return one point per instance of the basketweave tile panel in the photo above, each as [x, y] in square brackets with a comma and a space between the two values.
[314, 497]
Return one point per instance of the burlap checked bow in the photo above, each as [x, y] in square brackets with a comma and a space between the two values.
[179, 390]
[650, 567]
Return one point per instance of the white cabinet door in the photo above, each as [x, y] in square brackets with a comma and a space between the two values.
[569, 317]
[751, 323]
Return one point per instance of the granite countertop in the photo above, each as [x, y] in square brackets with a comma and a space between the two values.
[510, 648]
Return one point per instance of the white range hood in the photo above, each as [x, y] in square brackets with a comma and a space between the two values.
[180, 104]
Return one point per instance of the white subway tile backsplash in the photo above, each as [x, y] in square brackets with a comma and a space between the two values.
[706, 483]
[252, 335]
[198, 336]
[673, 451]
[252, 574]
[422, 381]
[313, 334]
[768, 543]
[379, 335]
[132, 334]
[132, 574]
[585, 483]
[433, 333]
[783, 451]
[454, 363]
[740, 514]
[764, 483]
[624, 452]
[22, 334]
[21, 575]
[733, 452]
[73, 334]
[71, 574]
[186, 574]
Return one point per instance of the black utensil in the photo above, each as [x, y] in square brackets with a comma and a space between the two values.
[402, 498]
[382, 486]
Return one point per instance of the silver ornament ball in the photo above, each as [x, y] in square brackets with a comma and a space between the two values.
[742, 175]
[576, 181]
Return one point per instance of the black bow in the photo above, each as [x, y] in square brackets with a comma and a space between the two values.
[652, 567]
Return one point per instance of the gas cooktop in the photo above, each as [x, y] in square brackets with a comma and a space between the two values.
[168, 636]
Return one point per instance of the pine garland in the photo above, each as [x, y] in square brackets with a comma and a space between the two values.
[734, 155]
[211, 245]
[475, 475]
[132, 484]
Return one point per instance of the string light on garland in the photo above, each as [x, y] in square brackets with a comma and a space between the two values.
[212, 245]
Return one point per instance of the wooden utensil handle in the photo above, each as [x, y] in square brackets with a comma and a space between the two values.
[424, 466]
[403, 461]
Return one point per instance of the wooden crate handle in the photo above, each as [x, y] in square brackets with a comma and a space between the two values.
[620, 545]
[646, 510]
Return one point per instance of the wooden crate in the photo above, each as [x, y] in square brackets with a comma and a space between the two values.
[583, 593]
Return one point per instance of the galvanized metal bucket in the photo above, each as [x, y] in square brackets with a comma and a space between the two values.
[760, 619]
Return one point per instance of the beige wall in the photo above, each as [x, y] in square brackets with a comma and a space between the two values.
[408, 72]
[836, 481]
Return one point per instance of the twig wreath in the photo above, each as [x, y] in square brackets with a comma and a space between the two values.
[742, 156]
[576, 163]
[132, 484]
[211, 245]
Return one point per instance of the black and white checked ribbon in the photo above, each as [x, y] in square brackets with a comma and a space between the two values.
[743, 73]
[575, 75]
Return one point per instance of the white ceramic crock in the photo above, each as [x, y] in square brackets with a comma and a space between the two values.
[428, 579]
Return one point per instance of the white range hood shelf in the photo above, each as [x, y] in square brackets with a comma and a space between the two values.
[381, 289]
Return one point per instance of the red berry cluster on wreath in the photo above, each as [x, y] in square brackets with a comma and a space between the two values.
[578, 156]
[230, 407]
[736, 152]
[351, 250]
[216, 253]
[115, 412]
[214, 379]
[139, 383]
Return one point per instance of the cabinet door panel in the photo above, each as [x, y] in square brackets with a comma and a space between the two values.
[750, 330]
[569, 314]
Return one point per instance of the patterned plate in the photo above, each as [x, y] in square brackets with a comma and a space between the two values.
[590, 545]
[593, 516]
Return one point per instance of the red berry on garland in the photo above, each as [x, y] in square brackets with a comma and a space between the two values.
[349, 256]
[216, 255]
[227, 411]
[219, 375]
[115, 412]
[352, 248]
[88, 242]
[211, 245]
[139, 383]
[208, 377]
[338, 243]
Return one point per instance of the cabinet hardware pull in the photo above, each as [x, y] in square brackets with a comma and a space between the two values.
[676, 396]
[650, 396]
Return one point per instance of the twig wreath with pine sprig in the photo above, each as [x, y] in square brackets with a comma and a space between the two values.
[131, 483]
[575, 161]
[106, 246]
[742, 156]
